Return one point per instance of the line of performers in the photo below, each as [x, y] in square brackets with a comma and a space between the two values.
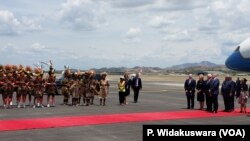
[28, 82]
[83, 85]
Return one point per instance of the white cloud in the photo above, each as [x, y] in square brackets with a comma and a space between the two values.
[14, 54]
[243, 6]
[133, 32]
[178, 36]
[42, 52]
[224, 20]
[219, 5]
[170, 28]
[177, 5]
[184, 52]
[130, 3]
[9, 24]
[160, 22]
[31, 24]
[82, 14]
[132, 35]
[9, 49]
[37, 46]
[8, 18]
[159, 32]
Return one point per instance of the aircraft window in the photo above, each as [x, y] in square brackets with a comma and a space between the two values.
[238, 48]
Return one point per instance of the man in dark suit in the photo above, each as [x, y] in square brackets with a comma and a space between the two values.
[137, 86]
[128, 82]
[214, 88]
[189, 87]
[232, 95]
[226, 88]
[238, 87]
[207, 92]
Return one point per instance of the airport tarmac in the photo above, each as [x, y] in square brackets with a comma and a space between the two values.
[162, 96]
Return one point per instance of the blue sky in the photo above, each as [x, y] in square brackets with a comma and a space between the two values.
[113, 33]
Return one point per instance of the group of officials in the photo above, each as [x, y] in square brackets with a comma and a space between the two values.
[124, 87]
[207, 91]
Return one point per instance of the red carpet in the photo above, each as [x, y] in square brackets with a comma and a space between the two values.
[52, 122]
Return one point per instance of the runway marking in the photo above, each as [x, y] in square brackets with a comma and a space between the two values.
[69, 121]
[163, 90]
[148, 91]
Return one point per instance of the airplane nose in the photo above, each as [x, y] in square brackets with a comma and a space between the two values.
[236, 62]
[230, 62]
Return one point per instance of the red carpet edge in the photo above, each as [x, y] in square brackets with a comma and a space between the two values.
[53, 122]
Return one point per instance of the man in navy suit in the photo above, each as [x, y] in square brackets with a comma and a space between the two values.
[214, 88]
[189, 86]
[207, 92]
[137, 86]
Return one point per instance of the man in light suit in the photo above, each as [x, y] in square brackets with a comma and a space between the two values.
[137, 86]
[214, 88]
[189, 86]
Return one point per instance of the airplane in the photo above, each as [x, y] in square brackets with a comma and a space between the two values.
[239, 60]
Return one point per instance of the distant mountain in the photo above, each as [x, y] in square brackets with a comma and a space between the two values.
[201, 64]
[182, 68]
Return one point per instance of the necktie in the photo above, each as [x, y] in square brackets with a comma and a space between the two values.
[208, 81]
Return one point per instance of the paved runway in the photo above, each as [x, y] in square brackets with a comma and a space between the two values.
[155, 97]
